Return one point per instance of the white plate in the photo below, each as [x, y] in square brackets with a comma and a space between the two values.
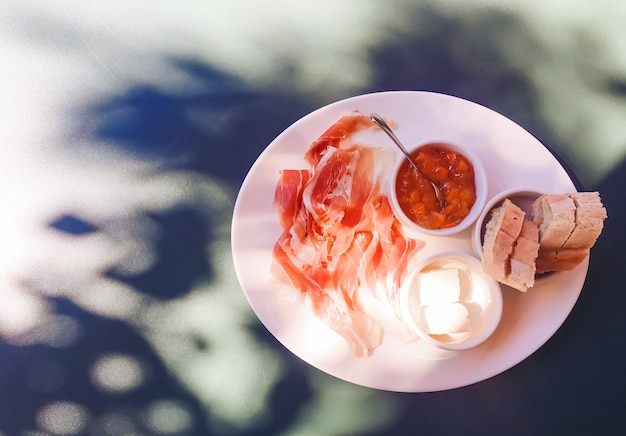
[511, 156]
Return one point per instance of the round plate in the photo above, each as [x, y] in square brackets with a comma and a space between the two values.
[511, 156]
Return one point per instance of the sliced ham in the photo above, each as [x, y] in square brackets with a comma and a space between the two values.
[340, 237]
[288, 195]
[336, 134]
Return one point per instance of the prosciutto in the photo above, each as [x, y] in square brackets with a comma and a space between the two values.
[340, 238]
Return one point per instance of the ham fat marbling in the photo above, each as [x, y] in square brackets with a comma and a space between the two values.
[340, 239]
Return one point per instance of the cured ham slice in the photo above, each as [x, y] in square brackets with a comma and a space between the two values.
[288, 195]
[340, 238]
[336, 134]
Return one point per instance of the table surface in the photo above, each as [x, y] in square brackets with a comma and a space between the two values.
[127, 129]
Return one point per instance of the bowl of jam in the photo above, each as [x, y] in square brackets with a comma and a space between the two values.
[462, 182]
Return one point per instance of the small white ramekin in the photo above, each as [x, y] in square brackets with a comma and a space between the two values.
[480, 294]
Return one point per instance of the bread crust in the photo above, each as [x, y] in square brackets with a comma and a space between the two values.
[555, 215]
[590, 216]
[561, 260]
[586, 225]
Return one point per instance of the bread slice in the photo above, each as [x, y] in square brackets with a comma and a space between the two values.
[555, 215]
[524, 257]
[581, 214]
[503, 228]
[590, 216]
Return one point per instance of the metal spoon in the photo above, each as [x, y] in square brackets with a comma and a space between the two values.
[383, 125]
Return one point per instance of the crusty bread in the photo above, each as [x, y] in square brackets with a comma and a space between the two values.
[523, 258]
[555, 215]
[558, 238]
[569, 225]
[503, 228]
[590, 216]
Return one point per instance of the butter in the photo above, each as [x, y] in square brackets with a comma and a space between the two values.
[449, 302]
[440, 291]
[446, 318]
[439, 286]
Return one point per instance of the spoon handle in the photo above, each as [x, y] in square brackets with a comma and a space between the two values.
[383, 125]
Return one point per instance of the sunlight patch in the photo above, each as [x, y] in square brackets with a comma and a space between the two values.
[338, 408]
[110, 299]
[62, 418]
[19, 312]
[117, 373]
[219, 318]
[168, 417]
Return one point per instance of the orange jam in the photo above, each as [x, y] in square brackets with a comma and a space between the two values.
[451, 171]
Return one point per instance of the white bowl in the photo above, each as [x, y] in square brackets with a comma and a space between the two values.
[521, 196]
[480, 182]
[479, 294]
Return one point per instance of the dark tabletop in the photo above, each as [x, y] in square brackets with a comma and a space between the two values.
[127, 130]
